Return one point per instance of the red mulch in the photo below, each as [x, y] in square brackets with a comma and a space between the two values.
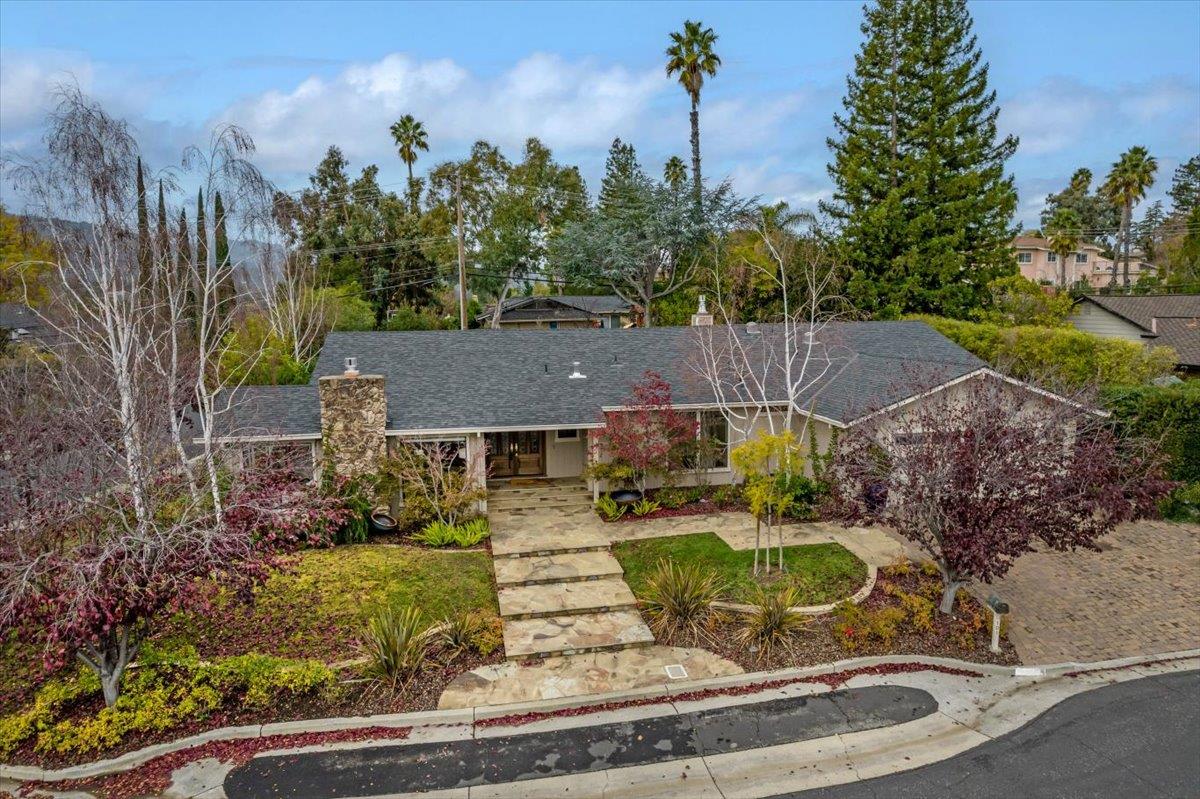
[154, 776]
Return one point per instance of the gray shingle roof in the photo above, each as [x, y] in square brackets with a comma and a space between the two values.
[487, 379]
[1171, 320]
[14, 315]
[273, 411]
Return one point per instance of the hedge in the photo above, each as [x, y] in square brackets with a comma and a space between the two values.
[1061, 354]
[1170, 414]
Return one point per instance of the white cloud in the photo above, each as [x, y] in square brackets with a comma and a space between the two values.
[26, 84]
[772, 180]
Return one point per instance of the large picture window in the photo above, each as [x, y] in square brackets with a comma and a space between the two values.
[713, 432]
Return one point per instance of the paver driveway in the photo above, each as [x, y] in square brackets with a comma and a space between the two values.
[1139, 596]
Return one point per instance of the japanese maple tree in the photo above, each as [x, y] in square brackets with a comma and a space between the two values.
[649, 435]
[978, 475]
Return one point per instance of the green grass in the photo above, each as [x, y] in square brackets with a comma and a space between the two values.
[319, 607]
[822, 573]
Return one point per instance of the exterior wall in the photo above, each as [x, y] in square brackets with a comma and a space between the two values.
[532, 324]
[565, 458]
[1040, 269]
[353, 421]
[1092, 318]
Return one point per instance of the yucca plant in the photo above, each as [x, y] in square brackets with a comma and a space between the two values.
[679, 598]
[396, 642]
[772, 625]
[644, 507]
[459, 631]
[609, 509]
[437, 534]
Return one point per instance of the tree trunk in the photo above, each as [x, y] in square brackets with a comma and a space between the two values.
[1126, 221]
[109, 662]
[695, 119]
[1062, 271]
[769, 542]
[757, 540]
[412, 194]
[949, 592]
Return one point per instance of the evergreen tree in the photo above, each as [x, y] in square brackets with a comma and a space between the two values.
[183, 266]
[145, 254]
[920, 193]
[201, 242]
[621, 172]
[1185, 187]
[163, 229]
[225, 287]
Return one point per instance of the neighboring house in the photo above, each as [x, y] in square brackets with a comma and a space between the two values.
[528, 403]
[559, 311]
[1171, 320]
[20, 324]
[1087, 263]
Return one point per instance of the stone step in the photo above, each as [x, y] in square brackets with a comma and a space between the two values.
[536, 502]
[571, 635]
[565, 599]
[527, 542]
[550, 489]
[555, 568]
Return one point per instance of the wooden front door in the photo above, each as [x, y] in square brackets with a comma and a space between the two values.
[516, 454]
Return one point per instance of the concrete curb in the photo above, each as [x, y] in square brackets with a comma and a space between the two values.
[814, 610]
[468, 716]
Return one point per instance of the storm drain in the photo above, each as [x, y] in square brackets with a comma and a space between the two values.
[376, 770]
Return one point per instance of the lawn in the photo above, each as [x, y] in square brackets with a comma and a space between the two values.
[822, 573]
[317, 608]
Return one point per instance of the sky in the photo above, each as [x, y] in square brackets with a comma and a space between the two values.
[1078, 82]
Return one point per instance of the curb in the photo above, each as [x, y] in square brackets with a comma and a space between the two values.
[465, 716]
[813, 610]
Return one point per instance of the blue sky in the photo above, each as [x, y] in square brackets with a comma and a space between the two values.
[1078, 81]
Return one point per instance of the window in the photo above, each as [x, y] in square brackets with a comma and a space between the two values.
[1081, 257]
[713, 434]
[1052, 257]
[566, 435]
[1024, 257]
[554, 325]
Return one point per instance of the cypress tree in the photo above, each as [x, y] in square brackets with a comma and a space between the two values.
[184, 267]
[164, 235]
[620, 170]
[200, 274]
[145, 255]
[225, 289]
[921, 192]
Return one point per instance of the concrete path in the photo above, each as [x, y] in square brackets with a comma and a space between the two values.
[560, 590]
[1135, 739]
[579, 675]
[1139, 594]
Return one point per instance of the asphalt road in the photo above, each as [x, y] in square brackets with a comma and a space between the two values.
[375, 770]
[1134, 740]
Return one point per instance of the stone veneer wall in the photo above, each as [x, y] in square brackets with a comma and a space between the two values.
[353, 422]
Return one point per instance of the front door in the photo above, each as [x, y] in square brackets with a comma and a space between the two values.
[516, 454]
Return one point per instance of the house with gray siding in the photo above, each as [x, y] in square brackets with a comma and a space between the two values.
[1170, 320]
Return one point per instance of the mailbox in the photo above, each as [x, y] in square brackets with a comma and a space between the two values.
[997, 605]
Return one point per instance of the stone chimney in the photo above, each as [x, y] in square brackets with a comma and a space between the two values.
[702, 318]
[353, 421]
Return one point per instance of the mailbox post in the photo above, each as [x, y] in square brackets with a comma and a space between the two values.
[999, 609]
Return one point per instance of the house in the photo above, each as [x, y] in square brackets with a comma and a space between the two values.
[20, 324]
[1171, 320]
[527, 404]
[1086, 264]
[558, 311]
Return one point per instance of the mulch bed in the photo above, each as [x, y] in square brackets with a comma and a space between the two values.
[354, 697]
[816, 643]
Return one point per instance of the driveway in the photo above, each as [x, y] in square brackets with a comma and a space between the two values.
[1139, 596]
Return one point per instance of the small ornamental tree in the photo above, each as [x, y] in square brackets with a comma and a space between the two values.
[977, 475]
[649, 436]
[768, 461]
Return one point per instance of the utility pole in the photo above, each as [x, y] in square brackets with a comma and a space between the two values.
[462, 260]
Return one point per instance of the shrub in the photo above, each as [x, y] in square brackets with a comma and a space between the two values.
[918, 611]
[671, 497]
[396, 643]
[680, 598]
[773, 624]
[644, 507]
[490, 637]
[608, 508]
[856, 626]
[460, 631]
[441, 534]
[728, 495]
[1072, 356]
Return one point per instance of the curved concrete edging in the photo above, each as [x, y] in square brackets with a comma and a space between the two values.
[814, 610]
[467, 716]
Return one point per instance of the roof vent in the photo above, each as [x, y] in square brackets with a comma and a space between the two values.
[577, 375]
[351, 368]
[752, 328]
[808, 337]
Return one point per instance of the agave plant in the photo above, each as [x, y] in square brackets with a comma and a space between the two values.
[679, 598]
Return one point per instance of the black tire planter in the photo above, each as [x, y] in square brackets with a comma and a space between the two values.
[381, 522]
[626, 496]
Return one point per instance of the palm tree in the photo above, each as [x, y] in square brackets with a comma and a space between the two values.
[1063, 232]
[675, 172]
[691, 57]
[410, 136]
[1126, 184]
